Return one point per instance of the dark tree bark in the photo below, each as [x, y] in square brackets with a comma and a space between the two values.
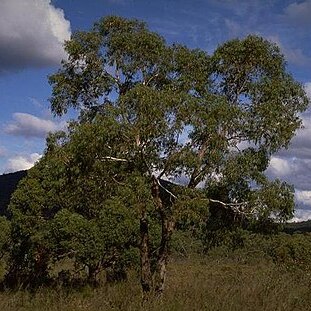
[168, 224]
[26, 274]
[92, 276]
[146, 277]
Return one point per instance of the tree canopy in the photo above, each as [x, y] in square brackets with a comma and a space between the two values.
[150, 112]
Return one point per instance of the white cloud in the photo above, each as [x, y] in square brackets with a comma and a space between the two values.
[32, 33]
[27, 125]
[308, 89]
[22, 162]
[279, 167]
[303, 196]
[301, 215]
[294, 166]
[300, 146]
[303, 201]
[299, 13]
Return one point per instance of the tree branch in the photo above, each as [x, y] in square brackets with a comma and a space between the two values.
[160, 185]
[114, 159]
[237, 207]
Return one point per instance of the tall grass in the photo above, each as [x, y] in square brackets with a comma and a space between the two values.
[194, 283]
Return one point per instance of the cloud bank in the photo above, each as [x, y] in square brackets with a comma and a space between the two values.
[27, 125]
[298, 13]
[32, 33]
[294, 165]
[22, 162]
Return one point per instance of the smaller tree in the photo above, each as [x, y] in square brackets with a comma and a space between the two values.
[34, 201]
[53, 219]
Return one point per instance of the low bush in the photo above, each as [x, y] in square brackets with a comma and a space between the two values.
[290, 251]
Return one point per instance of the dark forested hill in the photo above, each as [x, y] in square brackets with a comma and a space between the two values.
[8, 183]
[298, 227]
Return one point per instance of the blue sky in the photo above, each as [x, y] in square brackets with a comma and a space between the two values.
[31, 37]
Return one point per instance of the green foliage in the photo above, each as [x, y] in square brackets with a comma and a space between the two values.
[52, 211]
[298, 227]
[5, 227]
[287, 251]
[293, 251]
[251, 73]
[147, 111]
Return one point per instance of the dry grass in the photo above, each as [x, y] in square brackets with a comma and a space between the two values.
[193, 284]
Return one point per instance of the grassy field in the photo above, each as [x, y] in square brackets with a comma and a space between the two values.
[194, 283]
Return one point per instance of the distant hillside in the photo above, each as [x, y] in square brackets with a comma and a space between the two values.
[298, 227]
[8, 183]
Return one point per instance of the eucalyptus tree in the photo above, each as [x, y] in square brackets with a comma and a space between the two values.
[169, 112]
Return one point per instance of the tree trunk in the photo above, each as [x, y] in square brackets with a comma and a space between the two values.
[168, 224]
[92, 275]
[146, 278]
